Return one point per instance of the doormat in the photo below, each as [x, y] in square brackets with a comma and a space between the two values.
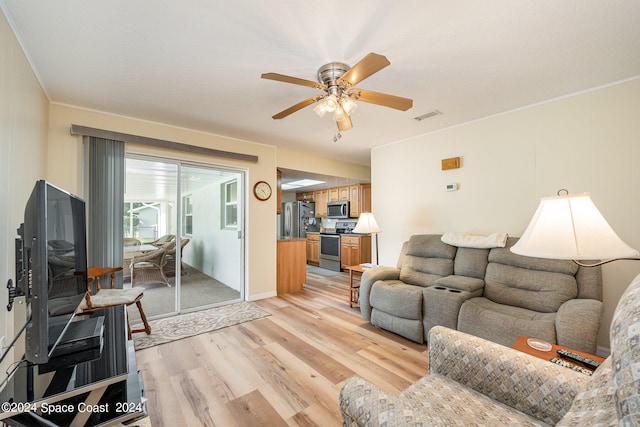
[190, 324]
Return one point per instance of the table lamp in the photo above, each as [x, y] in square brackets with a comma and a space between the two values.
[570, 226]
[366, 225]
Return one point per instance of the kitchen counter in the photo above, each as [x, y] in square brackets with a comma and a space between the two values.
[291, 268]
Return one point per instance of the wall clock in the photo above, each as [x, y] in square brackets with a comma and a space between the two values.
[262, 190]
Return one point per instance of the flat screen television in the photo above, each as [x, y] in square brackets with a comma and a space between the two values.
[54, 264]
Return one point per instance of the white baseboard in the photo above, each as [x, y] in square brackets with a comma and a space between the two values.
[262, 296]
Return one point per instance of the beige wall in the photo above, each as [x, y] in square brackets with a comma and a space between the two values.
[589, 142]
[23, 126]
[66, 149]
[296, 160]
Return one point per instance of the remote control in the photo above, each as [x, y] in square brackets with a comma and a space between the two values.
[589, 363]
[571, 366]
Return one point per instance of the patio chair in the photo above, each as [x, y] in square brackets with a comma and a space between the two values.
[164, 240]
[112, 297]
[130, 241]
[148, 267]
[169, 266]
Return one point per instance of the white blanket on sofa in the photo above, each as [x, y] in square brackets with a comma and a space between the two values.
[495, 240]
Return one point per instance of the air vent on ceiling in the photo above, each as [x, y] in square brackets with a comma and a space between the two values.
[427, 115]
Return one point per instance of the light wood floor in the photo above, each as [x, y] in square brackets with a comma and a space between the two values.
[282, 370]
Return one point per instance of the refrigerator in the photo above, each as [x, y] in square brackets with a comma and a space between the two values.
[298, 218]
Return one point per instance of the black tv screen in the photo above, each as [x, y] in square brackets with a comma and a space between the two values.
[55, 262]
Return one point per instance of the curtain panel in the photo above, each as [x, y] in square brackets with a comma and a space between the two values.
[105, 201]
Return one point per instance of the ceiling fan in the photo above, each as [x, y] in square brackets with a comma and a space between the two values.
[337, 80]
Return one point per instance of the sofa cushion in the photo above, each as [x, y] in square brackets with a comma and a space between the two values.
[408, 328]
[426, 260]
[505, 256]
[503, 323]
[397, 298]
[471, 262]
[543, 291]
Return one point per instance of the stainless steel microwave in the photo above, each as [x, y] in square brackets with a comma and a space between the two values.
[338, 210]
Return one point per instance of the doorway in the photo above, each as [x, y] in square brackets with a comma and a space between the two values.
[190, 216]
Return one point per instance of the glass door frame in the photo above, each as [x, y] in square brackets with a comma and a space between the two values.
[242, 218]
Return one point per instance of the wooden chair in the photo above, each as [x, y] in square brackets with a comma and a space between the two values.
[105, 298]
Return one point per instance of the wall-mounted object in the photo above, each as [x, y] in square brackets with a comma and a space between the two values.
[451, 163]
[451, 187]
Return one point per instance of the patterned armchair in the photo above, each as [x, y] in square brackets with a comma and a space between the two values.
[472, 381]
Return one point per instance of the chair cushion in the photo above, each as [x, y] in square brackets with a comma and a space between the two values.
[110, 297]
[625, 336]
[441, 398]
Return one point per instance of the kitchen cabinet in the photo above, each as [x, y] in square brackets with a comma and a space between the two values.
[354, 199]
[365, 198]
[343, 194]
[354, 250]
[313, 249]
[321, 197]
[333, 194]
[291, 267]
[359, 196]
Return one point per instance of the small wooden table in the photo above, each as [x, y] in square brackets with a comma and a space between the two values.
[521, 345]
[355, 288]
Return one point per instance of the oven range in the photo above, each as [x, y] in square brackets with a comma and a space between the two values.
[330, 245]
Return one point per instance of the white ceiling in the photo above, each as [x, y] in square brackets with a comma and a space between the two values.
[197, 64]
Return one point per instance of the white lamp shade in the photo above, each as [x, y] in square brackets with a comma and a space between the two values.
[571, 227]
[367, 224]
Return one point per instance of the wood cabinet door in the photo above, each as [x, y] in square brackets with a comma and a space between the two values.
[343, 194]
[354, 199]
[333, 194]
[365, 198]
[321, 197]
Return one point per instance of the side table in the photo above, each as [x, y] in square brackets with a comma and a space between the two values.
[354, 288]
[521, 345]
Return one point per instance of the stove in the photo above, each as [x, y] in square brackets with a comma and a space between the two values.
[330, 245]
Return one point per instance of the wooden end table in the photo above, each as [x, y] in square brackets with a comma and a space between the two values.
[355, 288]
[521, 345]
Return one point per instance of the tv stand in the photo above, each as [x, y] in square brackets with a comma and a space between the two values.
[110, 385]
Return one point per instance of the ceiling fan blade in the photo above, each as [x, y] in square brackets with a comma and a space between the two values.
[294, 80]
[383, 99]
[344, 124]
[299, 106]
[370, 64]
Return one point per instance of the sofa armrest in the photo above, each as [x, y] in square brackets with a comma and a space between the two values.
[531, 385]
[363, 403]
[577, 324]
[367, 280]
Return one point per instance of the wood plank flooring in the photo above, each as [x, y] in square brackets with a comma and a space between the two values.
[283, 370]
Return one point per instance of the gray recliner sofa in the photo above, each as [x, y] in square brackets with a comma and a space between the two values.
[491, 293]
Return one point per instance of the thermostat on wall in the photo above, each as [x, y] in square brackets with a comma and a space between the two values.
[451, 187]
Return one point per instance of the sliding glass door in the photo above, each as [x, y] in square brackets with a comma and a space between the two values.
[183, 235]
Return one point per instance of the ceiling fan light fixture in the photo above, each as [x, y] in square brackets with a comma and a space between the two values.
[348, 105]
[331, 103]
[339, 114]
[320, 109]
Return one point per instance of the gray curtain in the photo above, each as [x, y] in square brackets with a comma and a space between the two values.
[105, 196]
